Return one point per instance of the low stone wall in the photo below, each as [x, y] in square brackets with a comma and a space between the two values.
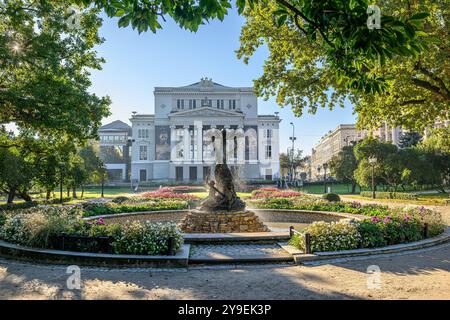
[151, 216]
[222, 222]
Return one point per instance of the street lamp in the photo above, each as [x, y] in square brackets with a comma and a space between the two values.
[61, 166]
[325, 166]
[293, 138]
[372, 162]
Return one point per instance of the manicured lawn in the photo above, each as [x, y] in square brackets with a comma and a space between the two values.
[339, 188]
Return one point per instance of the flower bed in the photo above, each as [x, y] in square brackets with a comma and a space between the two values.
[400, 226]
[311, 203]
[262, 193]
[97, 209]
[43, 227]
[168, 193]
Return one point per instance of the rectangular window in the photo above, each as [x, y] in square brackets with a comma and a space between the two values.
[194, 103]
[268, 133]
[139, 133]
[232, 104]
[218, 104]
[142, 152]
[180, 104]
[269, 152]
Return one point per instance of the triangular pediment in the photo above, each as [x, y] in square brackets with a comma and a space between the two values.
[206, 112]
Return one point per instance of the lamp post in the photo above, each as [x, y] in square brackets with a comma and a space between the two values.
[372, 162]
[61, 166]
[325, 166]
[127, 159]
[293, 138]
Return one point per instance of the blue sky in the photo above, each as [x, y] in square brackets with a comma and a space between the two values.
[135, 64]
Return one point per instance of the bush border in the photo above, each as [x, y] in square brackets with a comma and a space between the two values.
[180, 259]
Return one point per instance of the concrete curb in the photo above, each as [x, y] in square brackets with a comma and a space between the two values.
[180, 259]
[130, 214]
[327, 213]
[300, 257]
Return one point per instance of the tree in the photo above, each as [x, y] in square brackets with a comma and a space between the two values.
[438, 140]
[395, 87]
[44, 63]
[343, 165]
[16, 174]
[419, 86]
[409, 139]
[388, 166]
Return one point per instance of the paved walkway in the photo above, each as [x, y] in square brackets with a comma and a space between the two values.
[210, 253]
[418, 275]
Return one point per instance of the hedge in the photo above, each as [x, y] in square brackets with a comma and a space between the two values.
[390, 195]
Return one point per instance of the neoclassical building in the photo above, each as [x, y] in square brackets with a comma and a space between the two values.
[180, 141]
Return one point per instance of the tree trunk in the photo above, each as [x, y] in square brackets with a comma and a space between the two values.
[74, 192]
[353, 187]
[82, 191]
[11, 195]
[25, 196]
[47, 196]
[68, 192]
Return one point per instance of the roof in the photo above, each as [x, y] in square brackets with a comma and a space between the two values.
[205, 84]
[116, 126]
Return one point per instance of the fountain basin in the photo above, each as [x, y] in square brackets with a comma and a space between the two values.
[274, 219]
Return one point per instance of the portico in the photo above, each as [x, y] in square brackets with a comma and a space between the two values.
[183, 134]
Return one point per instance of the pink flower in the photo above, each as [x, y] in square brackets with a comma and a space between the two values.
[387, 219]
[101, 221]
[375, 219]
[407, 218]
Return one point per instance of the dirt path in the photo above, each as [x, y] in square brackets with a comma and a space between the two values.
[422, 275]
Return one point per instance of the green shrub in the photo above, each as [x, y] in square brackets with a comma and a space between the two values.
[146, 238]
[331, 197]
[332, 236]
[372, 235]
[390, 195]
[40, 226]
[98, 209]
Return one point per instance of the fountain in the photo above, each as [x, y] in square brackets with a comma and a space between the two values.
[223, 211]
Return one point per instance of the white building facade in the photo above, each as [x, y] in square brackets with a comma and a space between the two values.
[180, 141]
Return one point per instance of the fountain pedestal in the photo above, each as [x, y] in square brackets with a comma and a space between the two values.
[223, 211]
[198, 221]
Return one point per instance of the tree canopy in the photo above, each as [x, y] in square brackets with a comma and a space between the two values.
[44, 69]
[385, 85]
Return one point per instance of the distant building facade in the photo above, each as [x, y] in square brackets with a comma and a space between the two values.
[115, 139]
[178, 142]
[345, 135]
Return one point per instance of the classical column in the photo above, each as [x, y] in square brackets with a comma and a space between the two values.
[241, 144]
[186, 143]
[173, 143]
[199, 129]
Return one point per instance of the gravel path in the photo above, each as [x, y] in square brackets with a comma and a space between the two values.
[419, 275]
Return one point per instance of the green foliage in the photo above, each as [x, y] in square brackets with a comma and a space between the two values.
[400, 226]
[316, 204]
[147, 238]
[320, 52]
[343, 165]
[91, 209]
[332, 236]
[409, 139]
[390, 195]
[44, 77]
[39, 227]
[371, 235]
[331, 197]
